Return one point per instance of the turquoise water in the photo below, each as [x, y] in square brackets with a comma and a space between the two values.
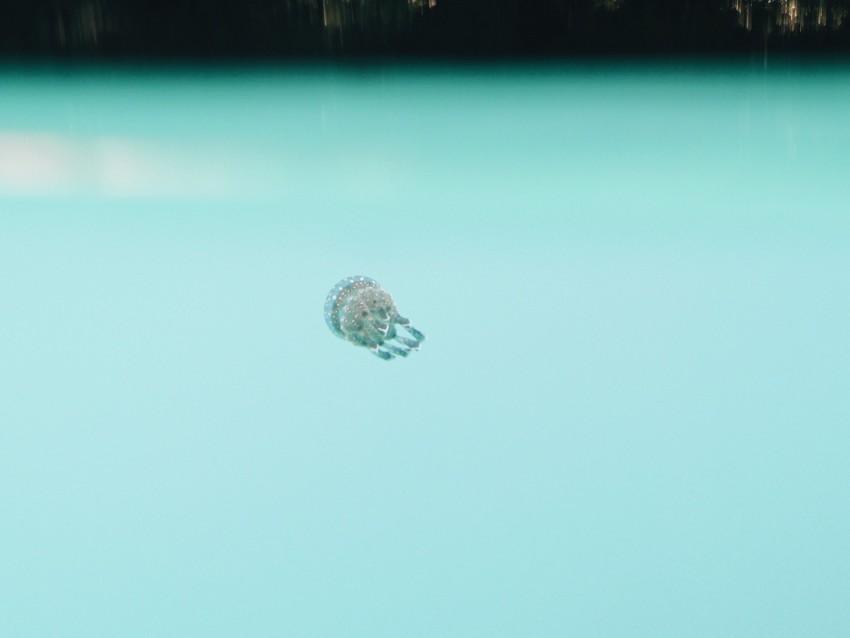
[630, 417]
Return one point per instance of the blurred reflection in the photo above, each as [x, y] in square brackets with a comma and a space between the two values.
[284, 27]
[41, 164]
[787, 16]
[80, 24]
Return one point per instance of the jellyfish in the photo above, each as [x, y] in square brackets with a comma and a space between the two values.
[358, 310]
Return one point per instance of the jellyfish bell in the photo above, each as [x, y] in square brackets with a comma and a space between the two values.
[358, 310]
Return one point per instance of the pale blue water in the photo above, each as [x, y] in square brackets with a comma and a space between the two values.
[630, 417]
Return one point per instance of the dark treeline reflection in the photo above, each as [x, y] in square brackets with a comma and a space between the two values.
[417, 27]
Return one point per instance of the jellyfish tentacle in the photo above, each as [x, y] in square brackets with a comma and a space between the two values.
[415, 333]
[401, 352]
[410, 343]
[380, 353]
[413, 337]
[372, 335]
[391, 332]
[382, 328]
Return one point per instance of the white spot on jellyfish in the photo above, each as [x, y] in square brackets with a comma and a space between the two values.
[358, 310]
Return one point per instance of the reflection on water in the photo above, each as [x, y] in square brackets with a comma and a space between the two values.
[320, 27]
[789, 16]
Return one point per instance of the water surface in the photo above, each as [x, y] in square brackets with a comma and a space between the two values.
[630, 416]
